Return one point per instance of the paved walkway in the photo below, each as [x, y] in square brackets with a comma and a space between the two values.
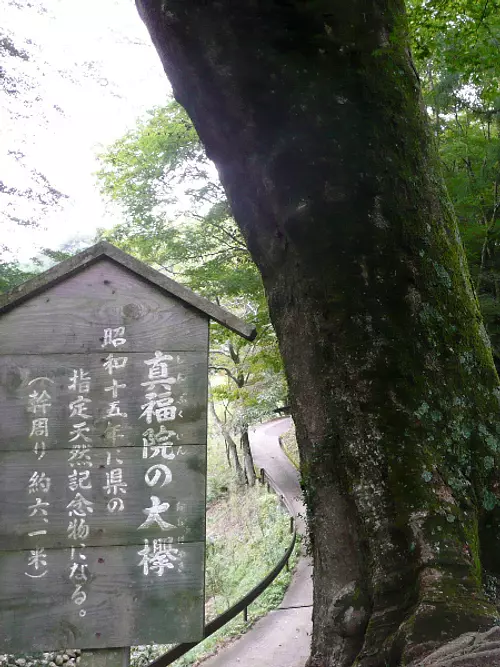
[282, 638]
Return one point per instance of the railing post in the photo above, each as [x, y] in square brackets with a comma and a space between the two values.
[245, 614]
[262, 476]
[291, 524]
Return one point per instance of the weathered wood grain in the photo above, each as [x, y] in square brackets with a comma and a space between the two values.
[105, 657]
[189, 369]
[185, 494]
[71, 316]
[102, 468]
[123, 605]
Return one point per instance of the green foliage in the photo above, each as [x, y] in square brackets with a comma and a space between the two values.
[175, 213]
[141, 169]
[456, 49]
[470, 149]
[11, 274]
[241, 557]
[219, 477]
[455, 43]
[247, 378]
[177, 219]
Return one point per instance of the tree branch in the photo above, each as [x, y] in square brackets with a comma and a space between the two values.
[225, 370]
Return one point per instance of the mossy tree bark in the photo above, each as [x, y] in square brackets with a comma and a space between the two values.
[312, 113]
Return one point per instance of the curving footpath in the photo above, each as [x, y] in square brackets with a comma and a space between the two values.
[282, 637]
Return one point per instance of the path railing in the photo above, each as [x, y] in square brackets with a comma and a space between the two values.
[242, 605]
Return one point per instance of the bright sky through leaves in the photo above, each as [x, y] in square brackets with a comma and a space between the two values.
[86, 70]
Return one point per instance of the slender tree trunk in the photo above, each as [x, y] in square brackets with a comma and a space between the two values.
[247, 456]
[312, 113]
[230, 446]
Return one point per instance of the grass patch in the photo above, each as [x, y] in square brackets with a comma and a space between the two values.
[288, 442]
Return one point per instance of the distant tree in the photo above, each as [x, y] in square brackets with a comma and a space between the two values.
[253, 384]
[470, 150]
[456, 48]
[11, 275]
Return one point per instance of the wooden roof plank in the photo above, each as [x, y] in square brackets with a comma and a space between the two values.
[103, 249]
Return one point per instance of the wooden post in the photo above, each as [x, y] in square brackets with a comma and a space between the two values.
[106, 657]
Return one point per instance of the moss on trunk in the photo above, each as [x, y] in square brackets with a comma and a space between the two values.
[311, 111]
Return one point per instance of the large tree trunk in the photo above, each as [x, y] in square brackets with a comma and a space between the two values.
[311, 111]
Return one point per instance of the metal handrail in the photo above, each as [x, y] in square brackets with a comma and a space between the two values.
[242, 605]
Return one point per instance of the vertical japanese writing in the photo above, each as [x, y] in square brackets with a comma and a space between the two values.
[114, 337]
[158, 557]
[158, 443]
[116, 485]
[79, 482]
[159, 404]
[39, 483]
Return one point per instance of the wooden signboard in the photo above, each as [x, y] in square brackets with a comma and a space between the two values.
[103, 405]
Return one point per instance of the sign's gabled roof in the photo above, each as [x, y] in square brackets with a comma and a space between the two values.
[103, 250]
